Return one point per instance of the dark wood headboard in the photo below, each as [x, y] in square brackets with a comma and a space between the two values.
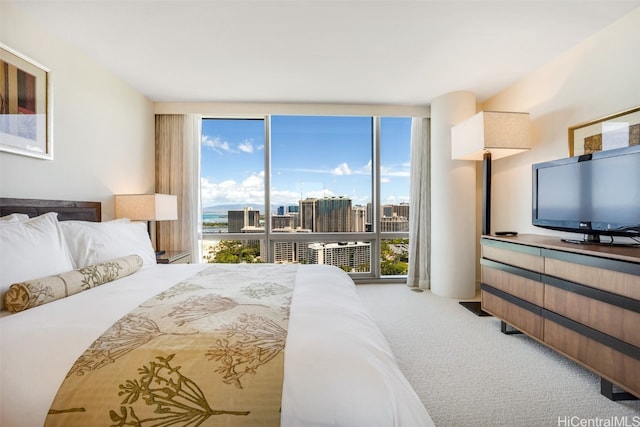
[67, 210]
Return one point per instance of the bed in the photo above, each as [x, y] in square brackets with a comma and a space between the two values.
[319, 361]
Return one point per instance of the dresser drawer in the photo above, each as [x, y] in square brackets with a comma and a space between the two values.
[519, 317]
[519, 283]
[526, 257]
[608, 318]
[613, 281]
[508, 256]
[617, 367]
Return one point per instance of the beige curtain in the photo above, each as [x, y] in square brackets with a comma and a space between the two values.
[420, 206]
[177, 173]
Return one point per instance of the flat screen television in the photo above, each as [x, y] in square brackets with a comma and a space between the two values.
[594, 194]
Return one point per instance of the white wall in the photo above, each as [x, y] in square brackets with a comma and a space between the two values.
[103, 130]
[599, 77]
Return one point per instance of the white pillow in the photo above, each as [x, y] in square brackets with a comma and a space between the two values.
[31, 249]
[95, 242]
[14, 217]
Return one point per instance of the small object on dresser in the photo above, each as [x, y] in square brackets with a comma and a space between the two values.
[506, 233]
[174, 257]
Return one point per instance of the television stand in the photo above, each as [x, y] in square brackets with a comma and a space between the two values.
[582, 301]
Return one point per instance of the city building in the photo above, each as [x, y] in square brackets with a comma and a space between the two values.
[359, 219]
[352, 256]
[326, 215]
[240, 221]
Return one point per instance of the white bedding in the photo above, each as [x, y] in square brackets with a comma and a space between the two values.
[339, 369]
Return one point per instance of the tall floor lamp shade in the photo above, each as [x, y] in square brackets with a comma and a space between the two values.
[487, 136]
[147, 207]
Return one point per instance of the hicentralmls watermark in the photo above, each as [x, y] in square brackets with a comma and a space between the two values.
[614, 421]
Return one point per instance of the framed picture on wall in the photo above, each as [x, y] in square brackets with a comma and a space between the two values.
[615, 131]
[25, 106]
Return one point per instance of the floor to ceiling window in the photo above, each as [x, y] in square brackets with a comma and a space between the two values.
[395, 163]
[307, 189]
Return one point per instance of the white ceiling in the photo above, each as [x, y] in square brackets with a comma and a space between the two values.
[355, 52]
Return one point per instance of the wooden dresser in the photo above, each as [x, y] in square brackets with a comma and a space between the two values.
[581, 300]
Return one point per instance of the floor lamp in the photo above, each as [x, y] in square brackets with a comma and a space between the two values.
[488, 136]
[147, 207]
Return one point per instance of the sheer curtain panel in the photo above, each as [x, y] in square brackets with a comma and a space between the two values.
[177, 172]
[420, 206]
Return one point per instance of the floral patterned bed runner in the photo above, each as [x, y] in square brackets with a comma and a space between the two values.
[208, 351]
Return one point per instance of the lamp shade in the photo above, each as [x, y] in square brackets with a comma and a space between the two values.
[146, 207]
[501, 133]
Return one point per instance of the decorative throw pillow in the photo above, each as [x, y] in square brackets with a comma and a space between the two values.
[95, 242]
[32, 293]
[32, 248]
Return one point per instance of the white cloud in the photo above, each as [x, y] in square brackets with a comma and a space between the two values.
[342, 169]
[221, 146]
[401, 171]
[216, 144]
[254, 182]
[246, 146]
[318, 194]
[284, 197]
[250, 190]
[396, 200]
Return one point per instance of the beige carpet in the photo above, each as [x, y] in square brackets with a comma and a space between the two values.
[468, 373]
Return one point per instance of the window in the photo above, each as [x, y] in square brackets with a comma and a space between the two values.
[322, 166]
[307, 189]
[232, 190]
[395, 168]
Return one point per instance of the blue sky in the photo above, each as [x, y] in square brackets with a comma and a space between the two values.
[311, 156]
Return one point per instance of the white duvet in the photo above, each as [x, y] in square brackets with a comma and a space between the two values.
[339, 369]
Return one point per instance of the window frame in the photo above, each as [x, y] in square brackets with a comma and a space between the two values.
[374, 237]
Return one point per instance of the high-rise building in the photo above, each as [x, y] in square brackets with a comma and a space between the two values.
[308, 213]
[394, 223]
[353, 256]
[387, 210]
[283, 222]
[359, 219]
[241, 221]
[326, 215]
[401, 210]
[289, 252]
[285, 252]
[395, 217]
[283, 210]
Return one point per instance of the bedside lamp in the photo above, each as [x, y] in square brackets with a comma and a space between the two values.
[147, 207]
[490, 135]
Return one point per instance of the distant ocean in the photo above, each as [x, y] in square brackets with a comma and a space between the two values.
[214, 218]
